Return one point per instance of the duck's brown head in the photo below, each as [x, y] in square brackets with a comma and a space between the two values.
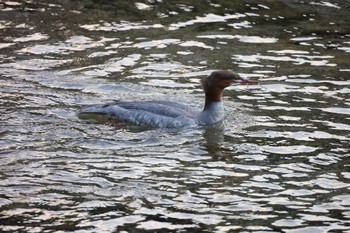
[217, 81]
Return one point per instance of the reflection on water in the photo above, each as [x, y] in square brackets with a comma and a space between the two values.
[278, 163]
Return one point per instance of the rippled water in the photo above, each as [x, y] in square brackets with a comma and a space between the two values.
[279, 163]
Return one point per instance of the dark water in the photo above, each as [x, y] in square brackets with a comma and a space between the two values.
[280, 162]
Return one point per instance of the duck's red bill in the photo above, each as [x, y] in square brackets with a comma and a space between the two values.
[249, 82]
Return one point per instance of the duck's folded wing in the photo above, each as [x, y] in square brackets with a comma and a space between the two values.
[134, 114]
[163, 108]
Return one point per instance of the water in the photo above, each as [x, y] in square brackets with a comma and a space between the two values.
[280, 162]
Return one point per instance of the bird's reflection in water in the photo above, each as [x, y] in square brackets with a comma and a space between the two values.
[214, 137]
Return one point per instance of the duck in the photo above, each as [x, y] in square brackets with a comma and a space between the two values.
[168, 114]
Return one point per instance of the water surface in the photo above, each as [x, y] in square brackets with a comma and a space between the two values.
[278, 163]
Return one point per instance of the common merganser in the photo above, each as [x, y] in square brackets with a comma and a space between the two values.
[167, 114]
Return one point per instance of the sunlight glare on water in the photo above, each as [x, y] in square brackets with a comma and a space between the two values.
[278, 163]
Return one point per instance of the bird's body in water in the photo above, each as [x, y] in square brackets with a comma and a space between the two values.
[167, 114]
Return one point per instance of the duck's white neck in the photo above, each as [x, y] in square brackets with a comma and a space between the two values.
[211, 114]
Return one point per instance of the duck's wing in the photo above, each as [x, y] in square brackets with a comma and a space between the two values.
[163, 108]
[144, 113]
